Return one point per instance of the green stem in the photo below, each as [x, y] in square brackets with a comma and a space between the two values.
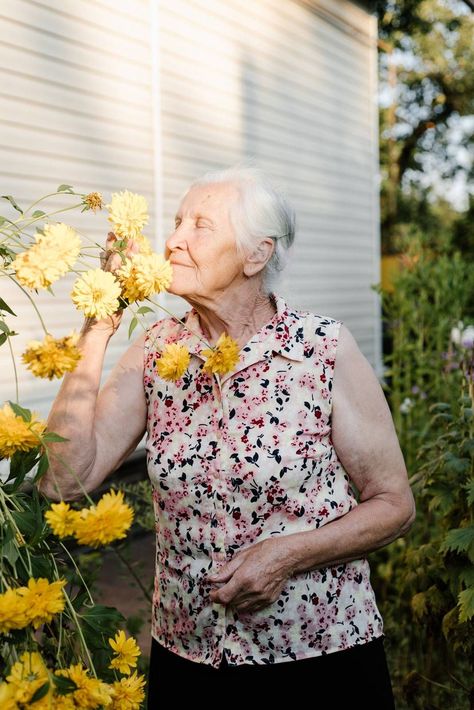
[133, 573]
[75, 617]
[77, 570]
[14, 369]
[31, 300]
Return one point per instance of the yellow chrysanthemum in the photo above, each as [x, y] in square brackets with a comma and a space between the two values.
[14, 611]
[50, 257]
[61, 518]
[96, 293]
[7, 697]
[129, 692]
[16, 434]
[93, 201]
[223, 357]
[173, 361]
[90, 692]
[142, 275]
[27, 675]
[126, 650]
[109, 520]
[43, 598]
[128, 213]
[52, 357]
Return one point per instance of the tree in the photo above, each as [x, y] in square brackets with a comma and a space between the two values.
[426, 55]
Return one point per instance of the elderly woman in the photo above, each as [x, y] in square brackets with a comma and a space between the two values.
[261, 544]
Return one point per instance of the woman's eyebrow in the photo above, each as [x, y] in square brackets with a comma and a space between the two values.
[197, 215]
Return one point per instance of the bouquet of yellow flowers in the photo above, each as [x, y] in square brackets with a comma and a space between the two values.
[46, 632]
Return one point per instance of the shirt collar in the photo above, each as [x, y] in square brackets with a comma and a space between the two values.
[283, 334]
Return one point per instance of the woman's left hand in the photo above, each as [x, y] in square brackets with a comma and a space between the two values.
[255, 576]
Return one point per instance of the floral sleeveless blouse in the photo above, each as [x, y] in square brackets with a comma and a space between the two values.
[230, 471]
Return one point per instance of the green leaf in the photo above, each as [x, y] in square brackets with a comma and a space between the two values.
[65, 188]
[39, 693]
[5, 307]
[4, 327]
[3, 338]
[52, 436]
[460, 540]
[455, 464]
[38, 213]
[25, 414]
[100, 620]
[43, 466]
[13, 203]
[145, 309]
[466, 604]
[132, 326]
[41, 567]
[64, 685]
[469, 487]
[466, 576]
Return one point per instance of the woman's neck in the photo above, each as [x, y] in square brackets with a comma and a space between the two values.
[240, 315]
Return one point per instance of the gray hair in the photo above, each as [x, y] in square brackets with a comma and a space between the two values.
[262, 211]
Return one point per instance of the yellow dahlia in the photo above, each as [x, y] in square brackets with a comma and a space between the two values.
[102, 523]
[128, 213]
[173, 361]
[16, 434]
[93, 201]
[44, 599]
[96, 293]
[52, 357]
[54, 252]
[142, 275]
[26, 676]
[14, 612]
[129, 692]
[90, 692]
[126, 650]
[223, 356]
[61, 518]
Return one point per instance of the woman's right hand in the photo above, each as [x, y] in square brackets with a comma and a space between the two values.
[110, 260]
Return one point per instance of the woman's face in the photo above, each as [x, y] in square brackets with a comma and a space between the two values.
[202, 248]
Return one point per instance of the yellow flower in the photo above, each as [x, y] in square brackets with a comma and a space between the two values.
[142, 275]
[93, 201]
[223, 357]
[16, 434]
[90, 692]
[52, 357]
[96, 293]
[127, 651]
[14, 611]
[7, 697]
[128, 212]
[51, 256]
[102, 523]
[43, 598]
[61, 519]
[173, 361]
[129, 692]
[26, 676]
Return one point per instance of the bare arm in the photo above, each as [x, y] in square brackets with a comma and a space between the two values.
[366, 443]
[103, 427]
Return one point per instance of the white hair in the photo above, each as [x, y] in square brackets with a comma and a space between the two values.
[262, 210]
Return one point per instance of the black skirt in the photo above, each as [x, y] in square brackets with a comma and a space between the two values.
[358, 677]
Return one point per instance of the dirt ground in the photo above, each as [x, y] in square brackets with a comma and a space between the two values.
[117, 587]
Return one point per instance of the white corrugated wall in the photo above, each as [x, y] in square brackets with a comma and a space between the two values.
[146, 96]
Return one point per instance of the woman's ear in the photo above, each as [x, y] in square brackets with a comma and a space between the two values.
[256, 260]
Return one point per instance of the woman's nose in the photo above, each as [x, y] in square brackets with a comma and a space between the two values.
[175, 240]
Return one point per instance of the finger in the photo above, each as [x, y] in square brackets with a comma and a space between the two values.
[111, 239]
